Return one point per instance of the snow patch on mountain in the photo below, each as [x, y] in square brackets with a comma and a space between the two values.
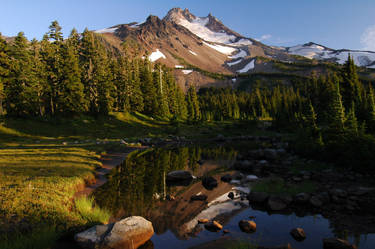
[360, 58]
[234, 62]
[179, 66]
[192, 52]
[107, 30]
[154, 56]
[222, 49]
[242, 42]
[249, 66]
[315, 51]
[240, 54]
[198, 27]
[310, 52]
[187, 71]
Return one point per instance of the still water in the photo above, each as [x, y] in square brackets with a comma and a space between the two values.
[138, 187]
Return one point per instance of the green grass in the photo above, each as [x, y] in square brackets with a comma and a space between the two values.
[278, 186]
[87, 209]
[37, 187]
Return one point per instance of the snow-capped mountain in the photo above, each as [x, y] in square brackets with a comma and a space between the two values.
[184, 41]
[208, 28]
[315, 51]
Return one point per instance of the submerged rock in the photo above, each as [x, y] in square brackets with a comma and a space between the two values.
[298, 234]
[335, 243]
[125, 234]
[247, 226]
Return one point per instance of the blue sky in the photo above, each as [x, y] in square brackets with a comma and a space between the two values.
[334, 23]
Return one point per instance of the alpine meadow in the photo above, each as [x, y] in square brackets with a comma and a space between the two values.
[179, 132]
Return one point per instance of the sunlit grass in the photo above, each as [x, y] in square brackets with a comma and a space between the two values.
[87, 209]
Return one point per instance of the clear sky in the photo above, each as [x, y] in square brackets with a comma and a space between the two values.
[334, 23]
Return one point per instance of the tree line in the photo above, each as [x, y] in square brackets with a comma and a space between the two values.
[57, 76]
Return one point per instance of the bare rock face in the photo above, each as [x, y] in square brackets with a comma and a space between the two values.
[128, 233]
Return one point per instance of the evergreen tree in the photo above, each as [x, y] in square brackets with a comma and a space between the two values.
[351, 123]
[194, 113]
[337, 113]
[21, 77]
[4, 70]
[371, 109]
[95, 67]
[71, 98]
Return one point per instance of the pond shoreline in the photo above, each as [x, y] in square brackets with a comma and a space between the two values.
[109, 161]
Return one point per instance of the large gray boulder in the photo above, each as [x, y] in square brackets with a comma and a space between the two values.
[128, 233]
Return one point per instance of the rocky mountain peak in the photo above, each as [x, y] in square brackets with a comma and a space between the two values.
[176, 14]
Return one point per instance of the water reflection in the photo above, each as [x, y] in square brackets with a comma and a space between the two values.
[138, 187]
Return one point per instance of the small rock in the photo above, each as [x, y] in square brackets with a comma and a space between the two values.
[220, 138]
[251, 178]
[338, 192]
[316, 202]
[302, 198]
[198, 198]
[335, 243]
[209, 182]
[203, 221]
[226, 178]
[277, 203]
[247, 226]
[298, 234]
[213, 226]
[235, 182]
[297, 179]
